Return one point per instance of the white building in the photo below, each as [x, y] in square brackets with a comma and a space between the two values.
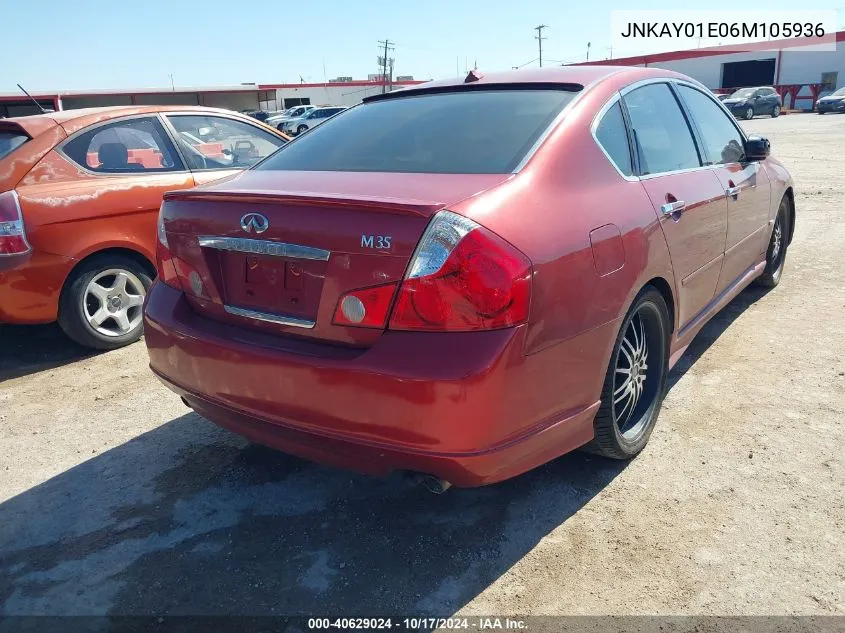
[796, 67]
[270, 97]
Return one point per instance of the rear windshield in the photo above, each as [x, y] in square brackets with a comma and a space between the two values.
[467, 132]
[10, 141]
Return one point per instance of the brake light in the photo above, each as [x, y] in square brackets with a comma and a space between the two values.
[164, 259]
[12, 231]
[367, 307]
[463, 277]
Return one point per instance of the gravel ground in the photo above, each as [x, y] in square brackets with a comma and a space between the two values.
[116, 499]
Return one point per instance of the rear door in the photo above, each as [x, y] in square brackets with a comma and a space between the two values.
[745, 184]
[686, 195]
[216, 146]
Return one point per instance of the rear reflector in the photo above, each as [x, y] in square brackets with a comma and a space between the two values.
[164, 260]
[463, 277]
[12, 232]
[367, 307]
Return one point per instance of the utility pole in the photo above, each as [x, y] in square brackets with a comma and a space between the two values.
[539, 37]
[588, 51]
[384, 62]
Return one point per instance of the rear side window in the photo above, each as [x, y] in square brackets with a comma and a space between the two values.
[10, 141]
[613, 138]
[126, 146]
[462, 132]
[662, 137]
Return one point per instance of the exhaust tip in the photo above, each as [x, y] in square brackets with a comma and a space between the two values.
[435, 484]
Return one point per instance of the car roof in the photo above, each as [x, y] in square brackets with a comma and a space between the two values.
[74, 120]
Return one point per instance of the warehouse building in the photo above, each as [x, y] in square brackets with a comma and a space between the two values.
[270, 97]
[795, 67]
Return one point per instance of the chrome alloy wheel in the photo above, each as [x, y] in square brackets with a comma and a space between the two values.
[112, 302]
[777, 238]
[631, 374]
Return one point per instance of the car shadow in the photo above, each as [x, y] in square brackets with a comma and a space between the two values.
[190, 519]
[714, 329]
[27, 349]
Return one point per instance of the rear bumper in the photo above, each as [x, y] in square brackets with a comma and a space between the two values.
[29, 291]
[469, 408]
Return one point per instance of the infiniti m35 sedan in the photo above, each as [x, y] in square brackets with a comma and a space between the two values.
[467, 278]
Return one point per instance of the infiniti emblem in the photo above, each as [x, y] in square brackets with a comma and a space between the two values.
[254, 222]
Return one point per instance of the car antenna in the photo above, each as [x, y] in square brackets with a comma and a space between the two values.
[37, 105]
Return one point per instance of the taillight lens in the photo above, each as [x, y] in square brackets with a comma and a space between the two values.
[12, 231]
[462, 278]
[164, 259]
[367, 307]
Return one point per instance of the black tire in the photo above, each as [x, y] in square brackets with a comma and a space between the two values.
[620, 438]
[776, 111]
[749, 113]
[301, 129]
[776, 251]
[72, 303]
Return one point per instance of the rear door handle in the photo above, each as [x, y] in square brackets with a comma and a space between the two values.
[732, 191]
[671, 208]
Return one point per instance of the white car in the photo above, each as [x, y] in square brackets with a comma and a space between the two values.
[291, 113]
[311, 119]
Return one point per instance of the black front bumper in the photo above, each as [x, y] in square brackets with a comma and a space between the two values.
[834, 106]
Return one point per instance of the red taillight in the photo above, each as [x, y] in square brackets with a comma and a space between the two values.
[164, 259]
[12, 231]
[462, 278]
[367, 307]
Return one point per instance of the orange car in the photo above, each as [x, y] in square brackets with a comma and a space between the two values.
[79, 198]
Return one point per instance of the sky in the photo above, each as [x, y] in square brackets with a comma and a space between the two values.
[85, 44]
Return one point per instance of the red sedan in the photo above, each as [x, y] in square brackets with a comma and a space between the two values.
[467, 278]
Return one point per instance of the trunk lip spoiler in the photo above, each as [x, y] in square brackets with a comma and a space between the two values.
[403, 206]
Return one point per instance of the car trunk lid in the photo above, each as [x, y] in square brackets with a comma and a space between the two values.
[275, 251]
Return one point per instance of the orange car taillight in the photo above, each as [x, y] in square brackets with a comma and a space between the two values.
[164, 259]
[463, 277]
[12, 231]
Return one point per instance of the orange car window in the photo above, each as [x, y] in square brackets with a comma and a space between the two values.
[128, 145]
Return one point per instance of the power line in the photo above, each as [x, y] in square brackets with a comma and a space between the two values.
[384, 62]
[530, 61]
[539, 37]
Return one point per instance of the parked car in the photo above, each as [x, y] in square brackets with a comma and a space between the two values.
[746, 103]
[291, 113]
[260, 115]
[834, 102]
[79, 196]
[310, 119]
[467, 280]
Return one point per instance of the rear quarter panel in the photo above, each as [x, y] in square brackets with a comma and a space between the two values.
[73, 213]
[548, 211]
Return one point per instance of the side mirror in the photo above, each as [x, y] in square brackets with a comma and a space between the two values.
[757, 148]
